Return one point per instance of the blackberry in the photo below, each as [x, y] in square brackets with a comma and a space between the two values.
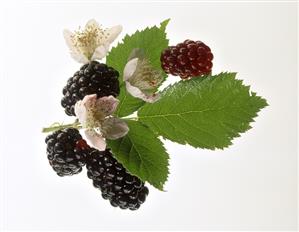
[66, 151]
[187, 59]
[117, 185]
[92, 78]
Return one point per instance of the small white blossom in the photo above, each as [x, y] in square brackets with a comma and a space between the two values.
[95, 115]
[141, 79]
[92, 42]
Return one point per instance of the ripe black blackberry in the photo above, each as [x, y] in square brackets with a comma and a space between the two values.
[66, 151]
[187, 59]
[92, 78]
[117, 185]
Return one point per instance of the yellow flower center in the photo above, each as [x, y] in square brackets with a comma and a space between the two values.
[89, 39]
[145, 76]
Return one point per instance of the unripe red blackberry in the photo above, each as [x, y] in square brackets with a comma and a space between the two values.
[116, 184]
[66, 151]
[187, 59]
[92, 78]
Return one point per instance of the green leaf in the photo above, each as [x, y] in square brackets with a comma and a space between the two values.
[152, 41]
[128, 104]
[142, 154]
[164, 24]
[203, 112]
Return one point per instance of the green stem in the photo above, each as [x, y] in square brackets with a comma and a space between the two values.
[56, 126]
[76, 124]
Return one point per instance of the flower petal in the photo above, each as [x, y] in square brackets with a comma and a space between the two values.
[112, 33]
[92, 42]
[106, 105]
[95, 140]
[81, 112]
[82, 107]
[137, 53]
[89, 100]
[130, 68]
[92, 23]
[67, 34]
[75, 53]
[136, 92]
[100, 52]
[114, 128]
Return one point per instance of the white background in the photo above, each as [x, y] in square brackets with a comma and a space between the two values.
[249, 186]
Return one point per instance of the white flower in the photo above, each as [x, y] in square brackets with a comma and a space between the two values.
[141, 79]
[91, 43]
[95, 115]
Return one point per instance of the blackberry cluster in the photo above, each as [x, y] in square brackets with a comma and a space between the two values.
[187, 59]
[92, 78]
[117, 185]
[66, 151]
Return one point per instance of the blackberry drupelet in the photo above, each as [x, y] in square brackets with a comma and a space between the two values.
[92, 78]
[187, 59]
[66, 151]
[117, 185]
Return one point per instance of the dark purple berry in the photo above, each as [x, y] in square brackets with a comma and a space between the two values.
[117, 185]
[93, 78]
[66, 151]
